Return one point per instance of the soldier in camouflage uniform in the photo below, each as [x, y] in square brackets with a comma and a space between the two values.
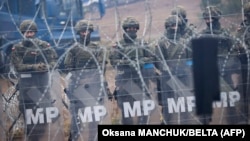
[230, 72]
[228, 61]
[33, 59]
[129, 57]
[187, 30]
[243, 34]
[85, 61]
[174, 81]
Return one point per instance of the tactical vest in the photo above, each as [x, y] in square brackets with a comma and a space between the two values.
[132, 50]
[172, 50]
[86, 57]
[34, 54]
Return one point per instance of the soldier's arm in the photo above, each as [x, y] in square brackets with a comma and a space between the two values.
[103, 56]
[52, 58]
[69, 61]
[149, 54]
[50, 54]
[160, 51]
[114, 56]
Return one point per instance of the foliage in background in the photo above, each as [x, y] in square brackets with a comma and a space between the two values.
[227, 6]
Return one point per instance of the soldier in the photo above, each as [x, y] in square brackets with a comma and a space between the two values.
[129, 57]
[85, 61]
[33, 60]
[228, 61]
[187, 30]
[174, 76]
[231, 72]
[244, 46]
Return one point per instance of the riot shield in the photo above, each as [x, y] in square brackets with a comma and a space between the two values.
[2, 119]
[87, 96]
[9, 113]
[218, 87]
[177, 96]
[40, 104]
[230, 108]
[133, 95]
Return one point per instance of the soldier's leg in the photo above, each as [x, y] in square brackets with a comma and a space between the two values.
[75, 121]
[165, 93]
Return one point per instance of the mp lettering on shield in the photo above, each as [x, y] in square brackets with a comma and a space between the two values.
[41, 114]
[139, 108]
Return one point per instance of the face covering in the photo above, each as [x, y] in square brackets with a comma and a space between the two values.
[173, 33]
[130, 36]
[214, 24]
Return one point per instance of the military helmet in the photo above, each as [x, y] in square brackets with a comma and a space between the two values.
[130, 22]
[212, 12]
[84, 25]
[180, 11]
[247, 9]
[172, 20]
[28, 25]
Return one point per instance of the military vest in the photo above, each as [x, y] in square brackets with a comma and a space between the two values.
[38, 53]
[133, 51]
[86, 57]
[172, 50]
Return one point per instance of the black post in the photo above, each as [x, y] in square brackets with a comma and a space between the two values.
[206, 75]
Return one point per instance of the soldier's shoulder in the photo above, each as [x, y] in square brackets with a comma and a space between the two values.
[43, 44]
[17, 46]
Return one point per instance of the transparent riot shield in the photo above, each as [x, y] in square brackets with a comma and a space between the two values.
[178, 100]
[10, 122]
[86, 93]
[3, 129]
[133, 95]
[40, 104]
[229, 110]
[176, 96]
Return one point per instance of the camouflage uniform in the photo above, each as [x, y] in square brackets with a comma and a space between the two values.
[129, 57]
[225, 46]
[174, 71]
[187, 30]
[228, 61]
[244, 33]
[33, 59]
[85, 60]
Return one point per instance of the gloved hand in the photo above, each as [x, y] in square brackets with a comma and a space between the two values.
[40, 67]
